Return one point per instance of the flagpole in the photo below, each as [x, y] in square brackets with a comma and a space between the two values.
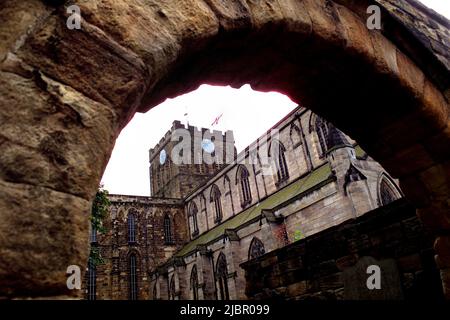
[186, 115]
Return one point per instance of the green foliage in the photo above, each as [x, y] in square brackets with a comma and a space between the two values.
[96, 257]
[298, 235]
[100, 208]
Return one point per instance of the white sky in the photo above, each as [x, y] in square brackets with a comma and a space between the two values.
[441, 6]
[248, 113]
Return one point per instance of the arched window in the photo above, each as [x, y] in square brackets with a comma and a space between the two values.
[387, 192]
[242, 177]
[168, 237]
[215, 198]
[278, 150]
[222, 277]
[91, 280]
[194, 283]
[133, 277]
[172, 288]
[193, 214]
[256, 249]
[131, 227]
[322, 133]
[93, 234]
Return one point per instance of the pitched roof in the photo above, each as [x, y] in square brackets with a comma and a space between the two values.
[296, 188]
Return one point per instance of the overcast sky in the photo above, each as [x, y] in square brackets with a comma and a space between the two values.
[248, 113]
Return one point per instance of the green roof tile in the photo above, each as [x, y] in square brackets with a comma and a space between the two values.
[297, 187]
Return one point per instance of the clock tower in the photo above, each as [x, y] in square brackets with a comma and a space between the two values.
[187, 157]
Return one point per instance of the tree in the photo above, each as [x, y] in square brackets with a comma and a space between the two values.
[100, 208]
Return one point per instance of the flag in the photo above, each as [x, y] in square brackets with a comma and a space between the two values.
[216, 120]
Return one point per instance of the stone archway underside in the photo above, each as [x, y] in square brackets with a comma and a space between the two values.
[66, 94]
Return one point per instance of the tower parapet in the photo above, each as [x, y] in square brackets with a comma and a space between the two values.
[187, 156]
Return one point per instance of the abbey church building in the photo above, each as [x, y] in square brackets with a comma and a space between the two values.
[204, 219]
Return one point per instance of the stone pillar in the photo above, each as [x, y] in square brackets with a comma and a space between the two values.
[429, 191]
[182, 285]
[273, 231]
[236, 276]
[205, 269]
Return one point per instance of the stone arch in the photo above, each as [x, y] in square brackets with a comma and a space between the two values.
[72, 116]
[130, 210]
[256, 248]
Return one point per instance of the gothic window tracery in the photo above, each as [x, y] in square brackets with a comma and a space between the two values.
[92, 280]
[168, 235]
[243, 180]
[133, 277]
[256, 249]
[322, 134]
[131, 222]
[222, 277]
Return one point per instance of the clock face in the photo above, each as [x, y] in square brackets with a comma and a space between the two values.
[208, 145]
[162, 156]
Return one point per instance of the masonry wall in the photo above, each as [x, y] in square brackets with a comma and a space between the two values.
[150, 248]
[351, 190]
[261, 183]
[172, 179]
[298, 134]
[332, 264]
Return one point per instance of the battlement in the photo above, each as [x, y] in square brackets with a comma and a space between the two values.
[194, 132]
